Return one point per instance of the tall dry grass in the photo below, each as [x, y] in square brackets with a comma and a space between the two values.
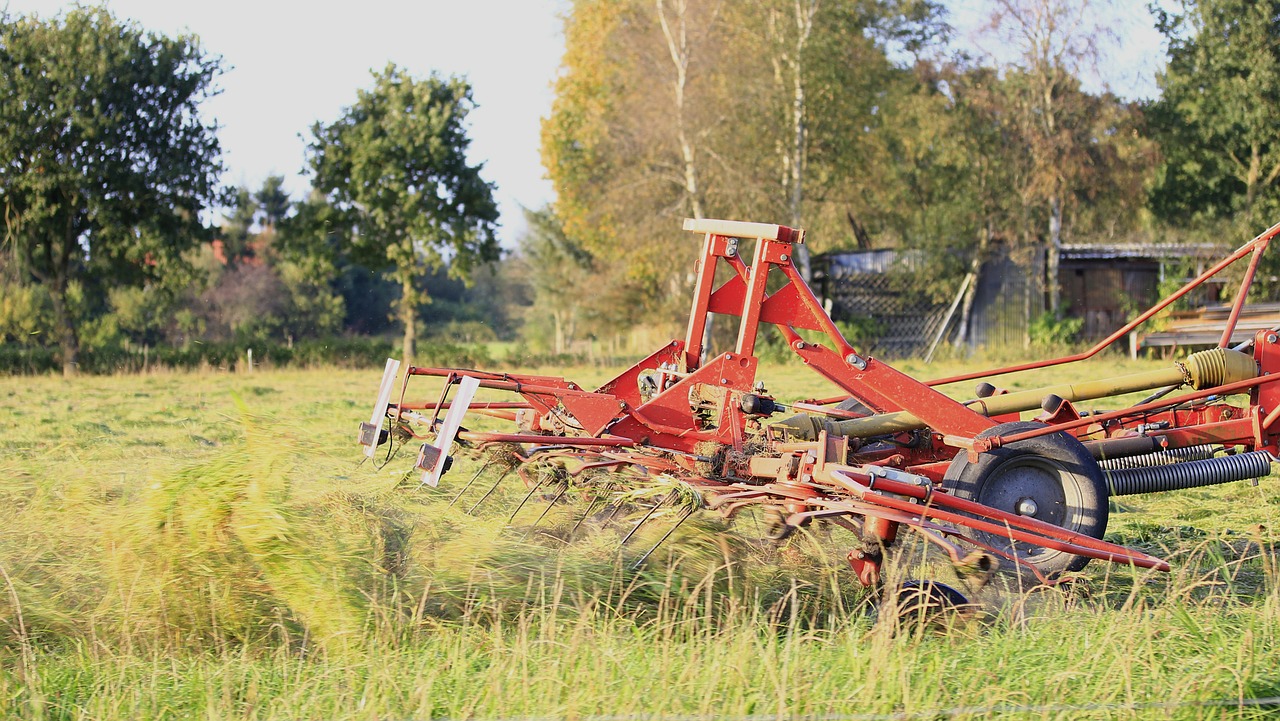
[244, 569]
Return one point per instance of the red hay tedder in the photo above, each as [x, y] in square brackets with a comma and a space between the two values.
[888, 451]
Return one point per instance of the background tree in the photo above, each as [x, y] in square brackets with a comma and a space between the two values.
[1053, 40]
[773, 109]
[395, 165]
[272, 201]
[629, 143]
[1218, 116]
[265, 286]
[841, 105]
[675, 19]
[236, 231]
[105, 163]
[561, 276]
[1075, 146]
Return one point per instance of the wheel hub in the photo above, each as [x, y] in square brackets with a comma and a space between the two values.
[1028, 486]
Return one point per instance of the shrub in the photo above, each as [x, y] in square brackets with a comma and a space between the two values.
[1049, 329]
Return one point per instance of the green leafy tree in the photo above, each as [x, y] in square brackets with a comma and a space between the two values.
[561, 275]
[394, 169]
[822, 88]
[772, 110]
[236, 232]
[1219, 111]
[105, 163]
[1052, 40]
[273, 201]
[1075, 143]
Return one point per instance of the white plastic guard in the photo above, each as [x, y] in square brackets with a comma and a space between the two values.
[380, 406]
[452, 420]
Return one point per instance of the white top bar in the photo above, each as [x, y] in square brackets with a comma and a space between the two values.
[452, 421]
[739, 229]
[380, 406]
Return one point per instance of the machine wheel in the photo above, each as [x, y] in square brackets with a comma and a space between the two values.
[926, 603]
[1052, 478]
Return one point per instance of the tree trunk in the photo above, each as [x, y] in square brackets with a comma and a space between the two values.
[1035, 286]
[68, 340]
[795, 161]
[58, 254]
[558, 341]
[678, 47]
[975, 271]
[409, 317]
[1054, 251]
[1251, 180]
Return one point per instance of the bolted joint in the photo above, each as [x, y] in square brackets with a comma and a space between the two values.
[856, 361]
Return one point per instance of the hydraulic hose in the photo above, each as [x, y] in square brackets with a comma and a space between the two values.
[1191, 474]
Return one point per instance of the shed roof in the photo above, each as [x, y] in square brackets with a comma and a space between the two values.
[1139, 251]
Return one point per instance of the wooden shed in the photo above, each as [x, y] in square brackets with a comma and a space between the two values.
[1107, 285]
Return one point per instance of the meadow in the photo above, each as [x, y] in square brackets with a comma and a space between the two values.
[207, 544]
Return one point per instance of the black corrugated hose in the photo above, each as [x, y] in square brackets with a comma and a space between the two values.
[1191, 474]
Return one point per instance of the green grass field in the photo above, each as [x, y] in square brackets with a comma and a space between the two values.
[205, 545]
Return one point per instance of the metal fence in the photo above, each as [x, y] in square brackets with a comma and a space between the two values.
[1006, 300]
[860, 288]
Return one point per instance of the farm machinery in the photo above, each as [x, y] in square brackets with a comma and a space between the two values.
[885, 452]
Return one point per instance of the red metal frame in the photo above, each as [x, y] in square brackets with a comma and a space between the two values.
[696, 410]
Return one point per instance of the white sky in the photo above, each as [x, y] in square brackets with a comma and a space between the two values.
[293, 63]
[1131, 58]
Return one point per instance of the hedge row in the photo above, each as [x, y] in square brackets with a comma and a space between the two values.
[342, 352]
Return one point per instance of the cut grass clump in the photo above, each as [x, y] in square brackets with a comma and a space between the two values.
[220, 553]
[241, 550]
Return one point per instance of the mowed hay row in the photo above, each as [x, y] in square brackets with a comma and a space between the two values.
[246, 548]
[218, 552]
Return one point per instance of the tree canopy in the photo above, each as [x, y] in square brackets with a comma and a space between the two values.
[1219, 112]
[395, 172]
[851, 118]
[105, 162]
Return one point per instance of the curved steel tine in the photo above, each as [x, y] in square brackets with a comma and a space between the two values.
[688, 512]
[655, 507]
[525, 500]
[483, 468]
[563, 489]
[489, 492]
[608, 488]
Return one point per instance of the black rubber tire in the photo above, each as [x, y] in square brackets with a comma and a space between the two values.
[926, 603]
[1055, 471]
